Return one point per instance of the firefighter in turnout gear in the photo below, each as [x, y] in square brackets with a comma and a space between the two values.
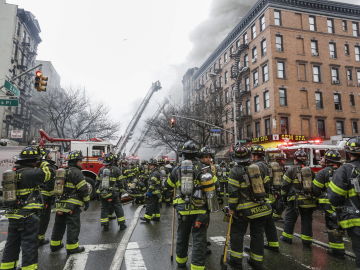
[109, 189]
[71, 193]
[273, 184]
[320, 185]
[344, 194]
[247, 202]
[223, 174]
[153, 194]
[48, 167]
[277, 167]
[23, 203]
[296, 191]
[194, 200]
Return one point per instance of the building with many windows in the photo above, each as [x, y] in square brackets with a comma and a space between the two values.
[294, 68]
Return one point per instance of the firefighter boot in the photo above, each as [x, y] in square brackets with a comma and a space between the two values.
[106, 227]
[235, 265]
[76, 250]
[43, 242]
[56, 248]
[145, 220]
[122, 226]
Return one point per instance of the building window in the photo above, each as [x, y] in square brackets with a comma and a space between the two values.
[347, 49]
[248, 131]
[256, 78]
[257, 103]
[321, 128]
[225, 57]
[262, 23]
[335, 75]
[357, 53]
[248, 109]
[332, 50]
[319, 100]
[254, 54]
[281, 69]
[238, 43]
[312, 23]
[344, 26]
[349, 75]
[265, 73]
[267, 127]
[355, 129]
[352, 100]
[263, 47]
[316, 74]
[279, 43]
[266, 99]
[339, 127]
[355, 27]
[246, 60]
[253, 31]
[247, 84]
[314, 48]
[245, 38]
[358, 77]
[225, 77]
[301, 72]
[284, 125]
[337, 101]
[277, 17]
[330, 26]
[283, 97]
[257, 129]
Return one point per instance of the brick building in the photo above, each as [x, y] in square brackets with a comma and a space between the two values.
[294, 67]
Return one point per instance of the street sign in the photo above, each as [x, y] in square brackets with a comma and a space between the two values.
[16, 134]
[12, 88]
[215, 134]
[215, 130]
[9, 102]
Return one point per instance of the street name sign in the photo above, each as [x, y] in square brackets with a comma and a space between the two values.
[12, 88]
[9, 102]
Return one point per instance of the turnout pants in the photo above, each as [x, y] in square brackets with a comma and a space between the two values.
[107, 207]
[354, 234]
[271, 232]
[22, 233]
[291, 215]
[44, 219]
[152, 208]
[70, 223]
[197, 226]
[336, 242]
[238, 231]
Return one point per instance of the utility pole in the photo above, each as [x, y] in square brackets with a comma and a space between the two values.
[22, 74]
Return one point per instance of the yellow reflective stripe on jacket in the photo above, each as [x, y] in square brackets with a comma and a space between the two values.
[24, 191]
[345, 224]
[74, 201]
[318, 184]
[233, 200]
[14, 216]
[247, 205]
[69, 185]
[352, 192]
[324, 201]
[46, 193]
[267, 179]
[33, 206]
[192, 212]
[81, 184]
[170, 183]
[263, 214]
[86, 198]
[287, 179]
[47, 171]
[334, 188]
[234, 182]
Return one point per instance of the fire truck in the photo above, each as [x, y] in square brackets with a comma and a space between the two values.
[93, 151]
[315, 149]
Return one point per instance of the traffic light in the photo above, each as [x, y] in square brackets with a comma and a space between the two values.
[172, 122]
[40, 81]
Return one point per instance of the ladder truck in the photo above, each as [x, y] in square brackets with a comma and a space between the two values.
[121, 144]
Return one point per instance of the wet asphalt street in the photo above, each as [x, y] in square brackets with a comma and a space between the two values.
[149, 246]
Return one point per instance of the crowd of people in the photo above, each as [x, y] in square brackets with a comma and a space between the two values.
[253, 189]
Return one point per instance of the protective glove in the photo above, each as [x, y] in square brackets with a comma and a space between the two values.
[86, 206]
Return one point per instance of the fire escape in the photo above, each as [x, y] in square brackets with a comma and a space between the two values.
[242, 91]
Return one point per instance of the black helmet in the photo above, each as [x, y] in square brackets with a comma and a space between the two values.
[352, 146]
[153, 161]
[190, 148]
[161, 161]
[29, 153]
[241, 154]
[279, 156]
[109, 158]
[75, 156]
[300, 155]
[206, 151]
[332, 156]
[257, 149]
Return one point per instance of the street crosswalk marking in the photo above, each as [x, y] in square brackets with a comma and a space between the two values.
[133, 258]
[219, 240]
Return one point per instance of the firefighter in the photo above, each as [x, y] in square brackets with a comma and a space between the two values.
[296, 193]
[110, 188]
[48, 166]
[258, 158]
[153, 194]
[23, 210]
[75, 195]
[344, 191]
[165, 192]
[278, 206]
[223, 181]
[332, 159]
[191, 207]
[249, 207]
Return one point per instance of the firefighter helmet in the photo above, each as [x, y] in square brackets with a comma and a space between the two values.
[300, 155]
[109, 158]
[241, 154]
[44, 152]
[75, 156]
[206, 151]
[153, 161]
[190, 148]
[29, 153]
[333, 156]
[257, 149]
[279, 156]
[352, 146]
[161, 161]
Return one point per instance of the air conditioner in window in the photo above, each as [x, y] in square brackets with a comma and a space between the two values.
[279, 49]
[254, 60]
[315, 54]
[244, 69]
[336, 82]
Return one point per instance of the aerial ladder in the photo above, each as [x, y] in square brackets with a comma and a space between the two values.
[135, 147]
[156, 86]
